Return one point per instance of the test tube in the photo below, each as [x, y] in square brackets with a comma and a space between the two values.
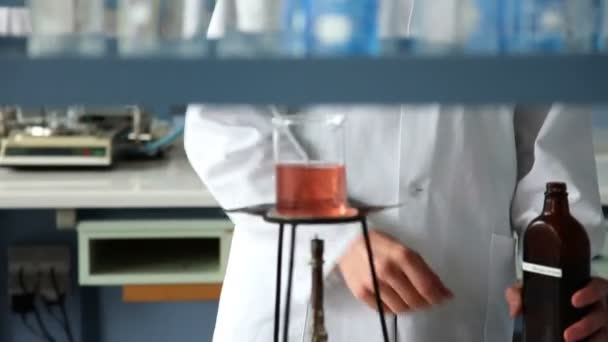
[66, 27]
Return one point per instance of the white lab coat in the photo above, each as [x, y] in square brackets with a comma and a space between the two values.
[469, 178]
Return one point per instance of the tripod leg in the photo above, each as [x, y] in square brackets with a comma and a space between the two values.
[370, 257]
[289, 282]
[277, 298]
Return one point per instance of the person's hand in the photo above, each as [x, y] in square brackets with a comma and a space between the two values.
[406, 282]
[594, 326]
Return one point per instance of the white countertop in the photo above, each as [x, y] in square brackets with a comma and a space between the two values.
[168, 183]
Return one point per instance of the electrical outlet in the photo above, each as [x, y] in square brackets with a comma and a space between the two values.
[29, 270]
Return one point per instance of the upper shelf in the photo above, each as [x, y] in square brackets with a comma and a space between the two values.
[462, 79]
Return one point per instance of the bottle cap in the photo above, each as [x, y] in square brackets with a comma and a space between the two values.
[556, 188]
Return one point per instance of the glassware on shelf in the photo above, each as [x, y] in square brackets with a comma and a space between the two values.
[331, 27]
[138, 27]
[295, 29]
[434, 26]
[310, 165]
[344, 27]
[66, 27]
[455, 26]
[251, 28]
[551, 26]
[584, 25]
[163, 27]
[479, 26]
[602, 23]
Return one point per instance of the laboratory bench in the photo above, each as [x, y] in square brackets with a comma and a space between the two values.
[164, 183]
[140, 233]
[124, 215]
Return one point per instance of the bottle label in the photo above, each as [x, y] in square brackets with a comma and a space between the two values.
[540, 269]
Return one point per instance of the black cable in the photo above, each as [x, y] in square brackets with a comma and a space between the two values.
[42, 326]
[48, 305]
[31, 327]
[61, 297]
[22, 305]
[45, 333]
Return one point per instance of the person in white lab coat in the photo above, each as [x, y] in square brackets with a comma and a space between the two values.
[470, 178]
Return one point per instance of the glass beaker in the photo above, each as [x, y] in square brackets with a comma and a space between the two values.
[163, 27]
[67, 27]
[310, 164]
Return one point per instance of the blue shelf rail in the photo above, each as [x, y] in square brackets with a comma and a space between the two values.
[164, 82]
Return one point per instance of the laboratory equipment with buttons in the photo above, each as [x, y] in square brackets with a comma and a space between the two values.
[76, 136]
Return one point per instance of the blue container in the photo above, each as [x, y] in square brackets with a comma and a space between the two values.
[331, 27]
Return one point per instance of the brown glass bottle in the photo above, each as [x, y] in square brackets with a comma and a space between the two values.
[556, 265]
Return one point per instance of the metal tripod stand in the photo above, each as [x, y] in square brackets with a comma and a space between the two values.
[269, 214]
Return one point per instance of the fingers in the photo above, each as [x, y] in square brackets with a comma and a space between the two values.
[514, 300]
[369, 298]
[601, 336]
[406, 290]
[588, 326]
[426, 282]
[391, 299]
[406, 281]
[596, 291]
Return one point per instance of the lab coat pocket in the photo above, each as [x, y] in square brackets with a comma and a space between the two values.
[501, 274]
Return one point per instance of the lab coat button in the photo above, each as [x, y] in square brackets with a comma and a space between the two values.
[415, 189]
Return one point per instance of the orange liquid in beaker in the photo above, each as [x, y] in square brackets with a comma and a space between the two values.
[311, 190]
